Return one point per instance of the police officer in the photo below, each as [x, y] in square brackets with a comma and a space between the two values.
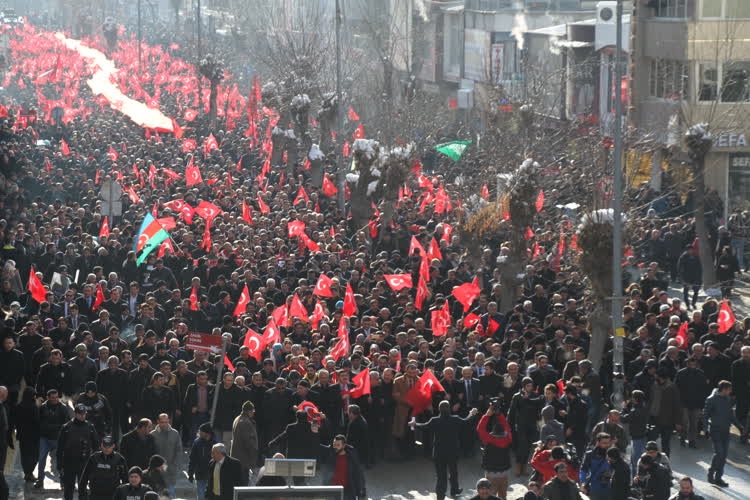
[104, 472]
[77, 441]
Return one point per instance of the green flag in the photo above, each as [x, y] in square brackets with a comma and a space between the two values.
[151, 245]
[454, 149]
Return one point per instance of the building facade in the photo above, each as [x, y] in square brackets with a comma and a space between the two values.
[691, 64]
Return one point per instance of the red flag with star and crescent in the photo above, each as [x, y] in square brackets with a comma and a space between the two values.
[361, 383]
[254, 344]
[271, 335]
[726, 319]
[350, 306]
[99, 299]
[398, 281]
[419, 397]
[323, 286]
[36, 288]
[104, 231]
[242, 302]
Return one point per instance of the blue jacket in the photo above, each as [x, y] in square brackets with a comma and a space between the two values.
[200, 456]
[596, 471]
[718, 414]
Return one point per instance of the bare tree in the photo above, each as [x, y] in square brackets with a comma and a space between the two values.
[212, 68]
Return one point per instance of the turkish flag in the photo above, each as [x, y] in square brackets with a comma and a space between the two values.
[36, 288]
[228, 363]
[419, 397]
[329, 188]
[247, 214]
[726, 319]
[254, 344]
[354, 117]
[176, 129]
[210, 144]
[167, 244]
[167, 223]
[492, 327]
[309, 244]
[113, 156]
[421, 293]
[193, 175]
[470, 320]
[207, 210]
[280, 315]
[242, 302]
[539, 203]
[297, 309]
[317, 315]
[171, 174]
[189, 145]
[264, 209]
[440, 320]
[99, 299]
[361, 383]
[350, 306]
[190, 115]
[323, 286]
[398, 281]
[194, 299]
[466, 294]
[341, 348]
[447, 230]
[295, 228]
[301, 195]
[485, 192]
[359, 133]
[104, 231]
[416, 245]
[528, 234]
[271, 335]
[681, 337]
[434, 251]
[48, 165]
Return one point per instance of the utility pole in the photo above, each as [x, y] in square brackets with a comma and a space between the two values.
[200, 55]
[339, 116]
[619, 332]
[140, 40]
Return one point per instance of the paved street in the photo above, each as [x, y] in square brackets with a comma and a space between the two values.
[415, 480]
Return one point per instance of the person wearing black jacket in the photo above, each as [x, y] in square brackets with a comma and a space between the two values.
[104, 472]
[158, 399]
[686, 491]
[357, 434]
[135, 489]
[199, 458]
[636, 414]
[277, 408]
[98, 411]
[575, 420]
[354, 481]
[137, 446]
[138, 380]
[299, 440]
[52, 416]
[653, 479]
[194, 415]
[446, 431]
[27, 432]
[54, 374]
[77, 441]
[230, 474]
[522, 417]
[110, 383]
[619, 481]
[229, 406]
[693, 386]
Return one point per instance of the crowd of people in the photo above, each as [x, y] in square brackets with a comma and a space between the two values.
[97, 378]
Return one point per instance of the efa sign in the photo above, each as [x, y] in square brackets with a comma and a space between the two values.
[203, 342]
[730, 140]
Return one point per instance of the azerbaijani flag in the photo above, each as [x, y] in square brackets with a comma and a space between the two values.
[150, 236]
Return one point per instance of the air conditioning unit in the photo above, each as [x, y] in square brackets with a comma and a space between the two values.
[606, 12]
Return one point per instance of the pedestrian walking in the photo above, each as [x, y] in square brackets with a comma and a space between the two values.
[77, 441]
[104, 472]
[717, 418]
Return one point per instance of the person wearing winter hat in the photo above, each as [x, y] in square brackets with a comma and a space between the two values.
[154, 475]
[134, 488]
[199, 458]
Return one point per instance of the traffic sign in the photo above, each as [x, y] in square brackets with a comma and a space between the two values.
[606, 187]
[203, 342]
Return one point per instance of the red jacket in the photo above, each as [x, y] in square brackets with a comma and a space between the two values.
[545, 465]
[487, 438]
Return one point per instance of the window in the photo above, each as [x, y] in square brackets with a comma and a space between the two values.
[452, 46]
[671, 8]
[735, 86]
[709, 82]
[668, 79]
[725, 9]
[727, 82]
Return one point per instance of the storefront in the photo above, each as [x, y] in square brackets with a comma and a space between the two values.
[728, 169]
